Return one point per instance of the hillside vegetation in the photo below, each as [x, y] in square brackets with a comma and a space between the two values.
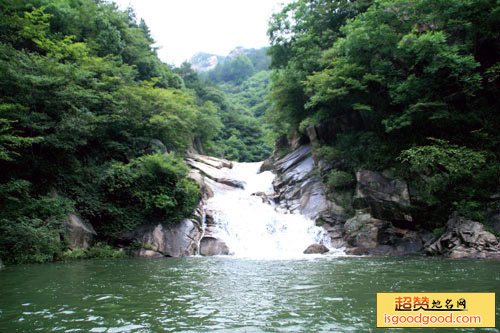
[409, 86]
[86, 112]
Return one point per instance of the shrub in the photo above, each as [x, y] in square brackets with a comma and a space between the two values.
[338, 179]
[150, 188]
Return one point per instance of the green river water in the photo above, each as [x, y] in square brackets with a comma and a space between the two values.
[227, 294]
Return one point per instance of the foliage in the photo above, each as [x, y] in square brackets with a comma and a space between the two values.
[339, 179]
[240, 101]
[394, 73]
[83, 97]
[98, 251]
[150, 188]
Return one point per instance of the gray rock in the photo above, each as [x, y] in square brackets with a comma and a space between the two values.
[78, 233]
[1, 264]
[263, 196]
[378, 237]
[316, 248]
[207, 168]
[293, 158]
[156, 147]
[464, 238]
[232, 182]
[299, 189]
[381, 196]
[179, 240]
[211, 246]
[356, 251]
[143, 253]
[206, 190]
[267, 165]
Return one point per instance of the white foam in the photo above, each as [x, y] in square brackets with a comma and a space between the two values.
[253, 229]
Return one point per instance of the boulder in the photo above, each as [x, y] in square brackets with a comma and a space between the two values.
[206, 190]
[156, 147]
[368, 235]
[465, 238]
[267, 165]
[211, 246]
[212, 168]
[263, 196]
[382, 197]
[78, 233]
[316, 248]
[143, 253]
[231, 182]
[178, 240]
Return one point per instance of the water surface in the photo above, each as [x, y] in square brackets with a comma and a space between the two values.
[223, 293]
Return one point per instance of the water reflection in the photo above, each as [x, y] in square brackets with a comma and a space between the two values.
[192, 294]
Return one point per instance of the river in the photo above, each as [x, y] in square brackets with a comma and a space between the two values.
[224, 293]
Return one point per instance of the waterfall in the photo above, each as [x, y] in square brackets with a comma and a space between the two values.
[254, 228]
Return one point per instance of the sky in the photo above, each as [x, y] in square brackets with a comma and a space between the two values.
[182, 28]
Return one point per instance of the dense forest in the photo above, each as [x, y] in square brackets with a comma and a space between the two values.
[406, 86]
[243, 76]
[91, 121]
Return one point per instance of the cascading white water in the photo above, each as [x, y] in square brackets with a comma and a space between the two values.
[252, 228]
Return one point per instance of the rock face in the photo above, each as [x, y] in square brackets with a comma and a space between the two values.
[143, 253]
[211, 246]
[298, 188]
[383, 197]
[367, 235]
[493, 219]
[381, 202]
[465, 239]
[316, 248]
[177, 240]
[78, 233]
[214, 169]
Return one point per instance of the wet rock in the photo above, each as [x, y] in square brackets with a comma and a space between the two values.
[267, 165]
[382, 196]
[143, 253]
[231, 182]
[378, 237]
[316, 248]
[211, 246]
[465, 238]
[336, 234]
[78, 233]
[299, 189]
[356, 251]
[263, 196]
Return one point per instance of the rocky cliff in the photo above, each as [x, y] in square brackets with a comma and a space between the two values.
[373, 216]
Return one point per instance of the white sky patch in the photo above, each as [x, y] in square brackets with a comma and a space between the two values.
[182, 28]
